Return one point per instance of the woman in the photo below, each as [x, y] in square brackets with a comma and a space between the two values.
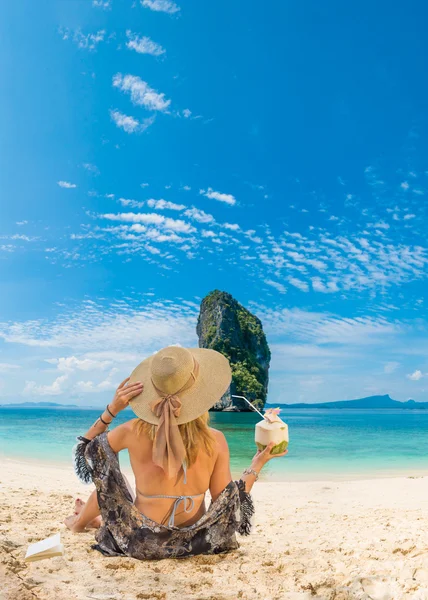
[176, 458]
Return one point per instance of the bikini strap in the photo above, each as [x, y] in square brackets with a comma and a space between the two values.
[178, 500]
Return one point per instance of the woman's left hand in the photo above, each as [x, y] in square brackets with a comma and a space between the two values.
[124, 394]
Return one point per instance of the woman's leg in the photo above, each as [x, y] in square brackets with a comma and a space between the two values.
[89, 515]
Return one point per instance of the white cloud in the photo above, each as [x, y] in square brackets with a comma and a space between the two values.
[404, 185]
[213, 195]
[186, 113]
[105, 4]
[166, 6]
[134, 330]
[72, 363]
[66, 184]
[199, 215]
[19, 236]
[20, 223]
[301, 285]
[278, 286]
[415, 376]
[109, 384]
[87, 41]
[54, 389]
[187, 188]
[7, 248]
[91, 168]
[321, 329]
[130, 124]
[85, 386]
[151, 219]
[378, 225]
[5, 367]
[409, 216]
[164, 205]
[131, 203]
[390, 367]
[141, 93]
[143, 45]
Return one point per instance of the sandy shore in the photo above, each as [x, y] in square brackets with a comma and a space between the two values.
[324, 540]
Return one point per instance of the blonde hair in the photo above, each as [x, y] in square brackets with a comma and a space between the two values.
[195, 434]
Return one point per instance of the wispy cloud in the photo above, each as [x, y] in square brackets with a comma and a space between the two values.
[132, 203]
[67, 185]
[20, 236]
[325, 329]
[7, 248]
[91, 168]
[5, 367]
[166, 6]
[105, 4]
[278, 286]
[130, 124]
[88, 41]
[390, 367]
[135, 328]
[213, 195]
[141, 93]
[301, 285]
[164, 205]
[143, 45]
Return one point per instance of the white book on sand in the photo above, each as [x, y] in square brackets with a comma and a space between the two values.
[45, 549]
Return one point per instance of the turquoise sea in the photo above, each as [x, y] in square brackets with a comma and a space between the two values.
[323, 443]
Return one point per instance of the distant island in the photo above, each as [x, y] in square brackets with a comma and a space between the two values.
[369, 402]
[42, 405]
[377, 402]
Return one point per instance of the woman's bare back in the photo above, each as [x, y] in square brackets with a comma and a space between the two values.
[150, 480]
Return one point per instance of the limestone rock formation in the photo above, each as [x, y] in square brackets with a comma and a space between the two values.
[226, 326]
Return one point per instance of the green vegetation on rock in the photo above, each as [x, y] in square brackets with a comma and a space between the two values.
[226, 326]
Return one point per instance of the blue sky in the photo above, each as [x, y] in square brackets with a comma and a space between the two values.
[153, 151]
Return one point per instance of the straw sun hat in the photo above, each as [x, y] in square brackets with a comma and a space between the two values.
[196, 376]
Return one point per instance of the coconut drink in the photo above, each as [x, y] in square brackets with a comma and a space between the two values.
[272, 429]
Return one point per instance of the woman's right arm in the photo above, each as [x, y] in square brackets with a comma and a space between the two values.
[123, 395]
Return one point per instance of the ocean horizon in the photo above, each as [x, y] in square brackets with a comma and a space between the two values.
[324, 443]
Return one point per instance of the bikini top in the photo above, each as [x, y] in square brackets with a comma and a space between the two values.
[178, 499]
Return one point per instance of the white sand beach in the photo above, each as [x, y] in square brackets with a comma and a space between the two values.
[362, 539]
